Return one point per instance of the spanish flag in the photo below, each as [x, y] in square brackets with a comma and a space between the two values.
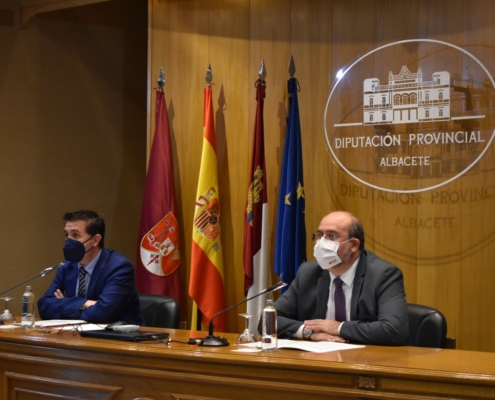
[206, 284]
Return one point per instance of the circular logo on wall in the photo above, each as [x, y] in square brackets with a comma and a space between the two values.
[411, 116]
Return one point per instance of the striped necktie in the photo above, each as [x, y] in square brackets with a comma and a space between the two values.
[81, 291]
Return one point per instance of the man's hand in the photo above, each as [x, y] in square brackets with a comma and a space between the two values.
[59, 295]
[88, 303]
[324, 325]
[325, 337]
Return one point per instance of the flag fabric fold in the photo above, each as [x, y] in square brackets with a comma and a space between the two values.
[256, 247]
[158, 256]
[290, 238]
[206, 284]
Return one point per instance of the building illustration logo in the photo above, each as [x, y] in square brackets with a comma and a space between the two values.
[407, 98]
[426, 124]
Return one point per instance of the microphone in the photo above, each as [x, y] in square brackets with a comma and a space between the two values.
[211, 340]
[42, 273]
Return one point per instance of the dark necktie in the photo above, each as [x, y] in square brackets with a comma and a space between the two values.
[339, 299]
[81, 291]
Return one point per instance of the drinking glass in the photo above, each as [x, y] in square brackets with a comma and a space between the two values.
[246, 335]
[6, 318]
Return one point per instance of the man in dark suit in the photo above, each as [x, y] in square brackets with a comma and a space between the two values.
[348, 294]
[94, 284]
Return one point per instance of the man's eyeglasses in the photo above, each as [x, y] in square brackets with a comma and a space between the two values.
[331, 236]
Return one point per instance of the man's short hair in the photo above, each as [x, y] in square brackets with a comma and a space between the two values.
[357, 231]
[95, 224]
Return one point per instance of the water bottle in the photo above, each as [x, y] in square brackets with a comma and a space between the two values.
[269, 334]
[27, 321]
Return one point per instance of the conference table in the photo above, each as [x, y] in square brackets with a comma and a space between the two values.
[54, 364]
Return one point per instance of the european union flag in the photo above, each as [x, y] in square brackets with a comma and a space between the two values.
[290, 240]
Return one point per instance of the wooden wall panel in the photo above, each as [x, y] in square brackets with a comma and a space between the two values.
[347, 45]
[270, 30]
[476, 278]
[228, 52]
[446, 267]
[72, 119]
[438, 280]
[311, 36]
[395, 20]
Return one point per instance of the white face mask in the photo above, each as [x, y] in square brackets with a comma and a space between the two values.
[325, 252]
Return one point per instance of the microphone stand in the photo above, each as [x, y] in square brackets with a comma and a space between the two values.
[211, 340]
[42, 273]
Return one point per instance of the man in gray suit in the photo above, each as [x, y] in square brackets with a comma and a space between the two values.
[348, 294]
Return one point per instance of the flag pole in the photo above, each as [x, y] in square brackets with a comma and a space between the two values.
[292, 72]
[262, 73]
[206, 281]
[209, 76]
[197, 315]
[292, 67]
[158, 253]
[290, 236]
[256, 232]
[161, 79]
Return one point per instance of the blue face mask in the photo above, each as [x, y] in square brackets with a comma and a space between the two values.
[74, 250]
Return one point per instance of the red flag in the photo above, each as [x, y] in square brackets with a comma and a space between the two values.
[158, 253]
[206, 285]
[256, 271]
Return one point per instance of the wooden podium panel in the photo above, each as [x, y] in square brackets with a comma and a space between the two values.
[23, 387]
[52, 365]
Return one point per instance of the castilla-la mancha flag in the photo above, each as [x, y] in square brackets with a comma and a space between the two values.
[158, 257]
[256, 248]
[206, 285]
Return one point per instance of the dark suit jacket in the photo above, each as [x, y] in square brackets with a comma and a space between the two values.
[378, 306]
[112, 284]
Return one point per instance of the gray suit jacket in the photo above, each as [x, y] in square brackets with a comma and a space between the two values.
[378, 306]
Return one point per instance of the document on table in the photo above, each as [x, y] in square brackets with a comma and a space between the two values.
[306, 345]
[316, 347]
[48, 323]
[68, 324]
[62, 325]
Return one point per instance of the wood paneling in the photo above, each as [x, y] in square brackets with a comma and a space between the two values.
[72, 123]
[449, 267]
[21, 386]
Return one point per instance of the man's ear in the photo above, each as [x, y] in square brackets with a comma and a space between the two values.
[97, 240]
[355, 244]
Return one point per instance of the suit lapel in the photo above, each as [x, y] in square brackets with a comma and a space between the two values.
[358, 285]
[322, 295]
[72, 275]
[96, 274]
